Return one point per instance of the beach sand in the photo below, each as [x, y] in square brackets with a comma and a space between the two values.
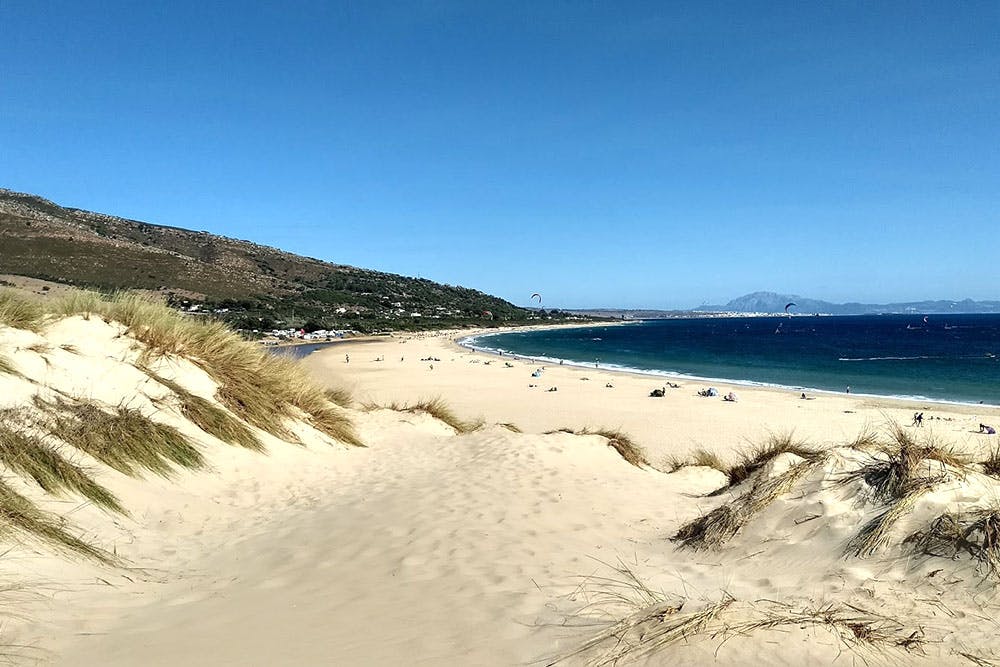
[496, 547]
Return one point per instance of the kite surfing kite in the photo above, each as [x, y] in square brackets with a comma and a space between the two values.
[789, 305]
[538, 296]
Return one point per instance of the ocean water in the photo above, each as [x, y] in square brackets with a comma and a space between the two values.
[953, 358]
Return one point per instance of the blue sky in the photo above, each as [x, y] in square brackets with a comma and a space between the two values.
[605, 154]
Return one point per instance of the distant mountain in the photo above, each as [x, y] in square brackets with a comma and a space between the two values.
[252, 285]
[770, 302]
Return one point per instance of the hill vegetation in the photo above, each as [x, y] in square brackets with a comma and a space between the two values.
[250, 285]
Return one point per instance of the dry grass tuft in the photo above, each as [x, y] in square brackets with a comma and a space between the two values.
[991, 466]
[39, 348]
[976, 533]
[69, 347]
[513, 428]
[617, 440]
[123, 438]
[19, 312]
[624, 445]
[646, 631]
[435, 407]
[339, 396]
[699, 457]
[7, 366]
[209, 417]
[642, 621]
[859, 630]
[715, 529]
[261, 388]
[20, 517]
[759, 455]
[29, 457]
[902, 465]
[874, 535]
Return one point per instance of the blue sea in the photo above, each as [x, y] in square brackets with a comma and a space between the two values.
[954, 358]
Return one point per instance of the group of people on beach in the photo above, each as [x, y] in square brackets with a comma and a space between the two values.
[987, 429]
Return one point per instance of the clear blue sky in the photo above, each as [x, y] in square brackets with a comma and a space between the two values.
[603, 153]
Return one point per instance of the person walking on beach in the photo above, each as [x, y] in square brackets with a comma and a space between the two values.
[347, 358]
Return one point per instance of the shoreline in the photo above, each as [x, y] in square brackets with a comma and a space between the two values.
[674, 375]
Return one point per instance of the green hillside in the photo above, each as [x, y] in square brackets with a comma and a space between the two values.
[252, 286]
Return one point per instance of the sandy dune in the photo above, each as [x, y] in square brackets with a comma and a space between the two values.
[495, 547]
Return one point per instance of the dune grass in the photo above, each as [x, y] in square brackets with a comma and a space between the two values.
[901, 465]
[435, 407]
[513, 428]
[699, 457]
[760, 455]
[19, 517]
[623, 444]
[7, 366]
[991, 465]
[209, 417]
[339, 396]
[29, 457]
[261, 388]
[975, 533]
[617, 440]
[715, 529]
[876, 534]
[19, 312]
[122, 438]
[644, 621]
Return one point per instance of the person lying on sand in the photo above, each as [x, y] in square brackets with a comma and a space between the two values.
[731, 397]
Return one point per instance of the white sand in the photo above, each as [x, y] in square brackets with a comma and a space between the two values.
[435, 548]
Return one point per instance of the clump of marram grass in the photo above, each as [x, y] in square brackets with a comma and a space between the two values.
[859, 630]
[760, 455]
[29, 457]
[901, 465]
[7, 366]
[991, 466]
[261, 388]
[122, 438]
[435, 407]
[513, 428]
[210, 418]
[617, 440]
[18, 312]
[699, 457]
[624, 445]
[20, 517]
[715, 529]
[976, 533]
[875, 535]
[339, 396]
